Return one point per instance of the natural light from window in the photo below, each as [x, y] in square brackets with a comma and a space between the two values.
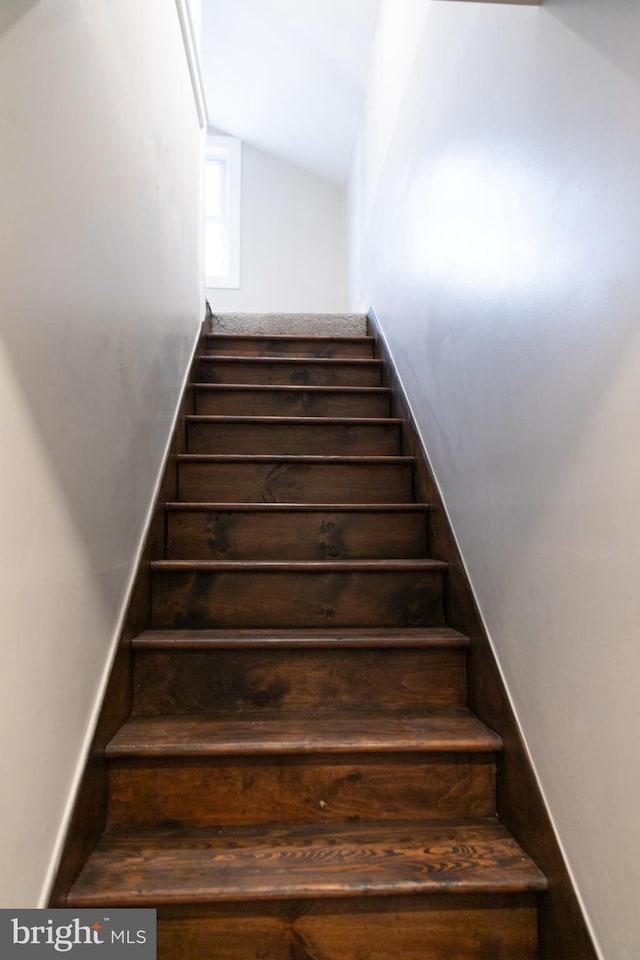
[222, 191]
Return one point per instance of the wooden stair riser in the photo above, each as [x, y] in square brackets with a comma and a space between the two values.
[275, 346]
[274, 481]
[223, 400]
[253, 680]
[249, 598]
[322, 373]
[459, 927]
[274, 533]
[204, 792]
[294, 437]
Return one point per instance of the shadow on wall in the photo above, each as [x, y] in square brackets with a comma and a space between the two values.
[610, 28]
[96, 331]
[13, 10]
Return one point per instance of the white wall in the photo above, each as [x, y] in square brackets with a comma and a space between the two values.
[292, 247]
[494, 201]
[100, 305]
[288, 76]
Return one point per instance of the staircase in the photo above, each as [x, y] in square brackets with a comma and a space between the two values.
[300, 777]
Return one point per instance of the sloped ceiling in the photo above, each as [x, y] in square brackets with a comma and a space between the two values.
[288, 75]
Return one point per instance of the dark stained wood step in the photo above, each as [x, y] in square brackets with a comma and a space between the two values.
[429, 927]
[265, 479]
[287, 400]
[296, 531]
[155, 868]
[294, 370]
[426, 638]
[295, 566]
[440, 731]
[273, 345]
[209, 679]
[293, 435]
[184, 671]
[299, 769]
[356, 593]
[207, 790]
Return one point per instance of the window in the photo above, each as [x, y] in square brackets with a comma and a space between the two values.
[222, 174]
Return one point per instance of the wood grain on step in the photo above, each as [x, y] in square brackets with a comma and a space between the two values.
[269, 532]
[274, 595]
[288, 400]
[269, 479]
[272, 862]
[300, 788]
[299, 371]
[178, 680]
[336, 732]
[301, 567]
[312, 436]
[434, 927]
[321, 638]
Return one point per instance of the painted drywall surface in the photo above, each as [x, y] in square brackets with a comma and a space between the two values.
[292, 246]
[500, 250]
[288, 77]
[100, 305]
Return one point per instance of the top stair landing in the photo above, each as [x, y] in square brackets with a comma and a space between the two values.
[291, 324]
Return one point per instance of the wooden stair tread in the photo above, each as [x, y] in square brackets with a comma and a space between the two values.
[352, 731]
[227, 506]
[290, 388]
[298, 421]
[318, 638]
[230, 359]
[289, 458]
[272, 862]
[297, 566]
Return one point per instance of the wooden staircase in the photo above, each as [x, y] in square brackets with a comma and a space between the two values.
[300, 776]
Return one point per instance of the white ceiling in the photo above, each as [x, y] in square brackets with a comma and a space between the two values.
[288, 75]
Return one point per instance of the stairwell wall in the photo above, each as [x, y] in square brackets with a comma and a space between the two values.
[101, 305]
[492, 203]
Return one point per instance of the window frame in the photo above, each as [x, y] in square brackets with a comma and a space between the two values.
[227, 150]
